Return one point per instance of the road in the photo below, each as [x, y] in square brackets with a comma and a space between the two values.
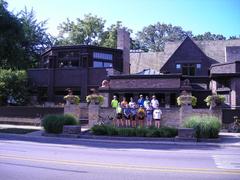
[65, 159]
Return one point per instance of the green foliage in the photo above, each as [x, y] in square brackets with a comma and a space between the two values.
[54, 123]
[141, 131]
[131, 132]
[95, 98]
[73, 99]
[23, 39]
[13, 84]
[84, 31]
[214, 100]
[70, 120]
[181, 100]
[126, 132]
[209, 36]
[205, 127]
[154, 37]
[99, 130]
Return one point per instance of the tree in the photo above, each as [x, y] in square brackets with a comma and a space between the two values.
[209, 36]
[109, 37]
[154, 37]
[13, 87]
[22, 38]
[36, 40]
[84, 31]
[11, 37]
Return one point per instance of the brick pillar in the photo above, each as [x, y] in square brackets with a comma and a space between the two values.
[185, 112]
[123, 42]
[93, 114]
[73, 110]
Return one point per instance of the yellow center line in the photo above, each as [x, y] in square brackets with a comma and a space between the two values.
[125, 166]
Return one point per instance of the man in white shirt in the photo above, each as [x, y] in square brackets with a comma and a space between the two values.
[157, 116]
[154, 102]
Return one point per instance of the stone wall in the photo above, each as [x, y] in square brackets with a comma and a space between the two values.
[145, 83]
[20, 121]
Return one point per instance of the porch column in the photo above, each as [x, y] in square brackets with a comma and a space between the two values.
[167, 100]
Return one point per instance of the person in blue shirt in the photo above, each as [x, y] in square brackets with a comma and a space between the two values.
[127, 115]
[140, 100]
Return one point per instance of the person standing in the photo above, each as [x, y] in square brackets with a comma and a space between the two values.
[140, 101]
[133, 106]
[146, 102]
[114, 102]
[118, 119]
[154, 102]
[157, 115]
[141, 116]
[127, 115]
[149, 114]
[124, 102]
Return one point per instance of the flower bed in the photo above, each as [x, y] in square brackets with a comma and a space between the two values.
[134, 132]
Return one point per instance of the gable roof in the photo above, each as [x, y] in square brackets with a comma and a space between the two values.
[155, 60]
[186, 41]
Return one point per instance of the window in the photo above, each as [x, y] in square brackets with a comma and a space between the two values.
[178, 66]
[199, 66]
[188, 69]
[97, 64]
[104, 56]
[105, 64]
[100, 64]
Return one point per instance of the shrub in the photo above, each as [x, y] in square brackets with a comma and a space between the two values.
[205, 127]
[70, 120]
[141, 131]
[111, 131]
[53, 123]
[99, 130]
[126, 132]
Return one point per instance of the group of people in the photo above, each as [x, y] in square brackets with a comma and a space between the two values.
[140, 113]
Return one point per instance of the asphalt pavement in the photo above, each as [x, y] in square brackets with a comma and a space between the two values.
[33, 156]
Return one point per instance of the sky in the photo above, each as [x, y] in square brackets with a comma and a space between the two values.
[198, 16]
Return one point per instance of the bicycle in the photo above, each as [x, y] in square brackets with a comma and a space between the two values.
[236, 125]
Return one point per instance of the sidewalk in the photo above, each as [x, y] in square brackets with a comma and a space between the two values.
[225, 139]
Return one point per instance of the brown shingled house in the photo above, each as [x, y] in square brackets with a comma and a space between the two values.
[164, 73]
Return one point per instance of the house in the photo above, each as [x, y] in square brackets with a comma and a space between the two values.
[200, 68]
[188, 65]
[78, 67]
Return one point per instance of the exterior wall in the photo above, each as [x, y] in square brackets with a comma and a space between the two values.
[235, 92]
[168, 83]
[29, 111]
[225, 68]
[188, 52]
[232, 53]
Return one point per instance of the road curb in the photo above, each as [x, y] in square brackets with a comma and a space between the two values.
[67, 140]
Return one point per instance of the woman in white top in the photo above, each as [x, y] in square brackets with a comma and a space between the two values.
[157, 115]
[154, 102]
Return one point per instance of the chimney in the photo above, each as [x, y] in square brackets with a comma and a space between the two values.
[232, 53]
[123, 43]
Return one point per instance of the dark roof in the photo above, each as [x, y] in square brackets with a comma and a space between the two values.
[68, 47]
[215, 50]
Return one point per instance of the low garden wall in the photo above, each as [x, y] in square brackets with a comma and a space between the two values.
[26, 115]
